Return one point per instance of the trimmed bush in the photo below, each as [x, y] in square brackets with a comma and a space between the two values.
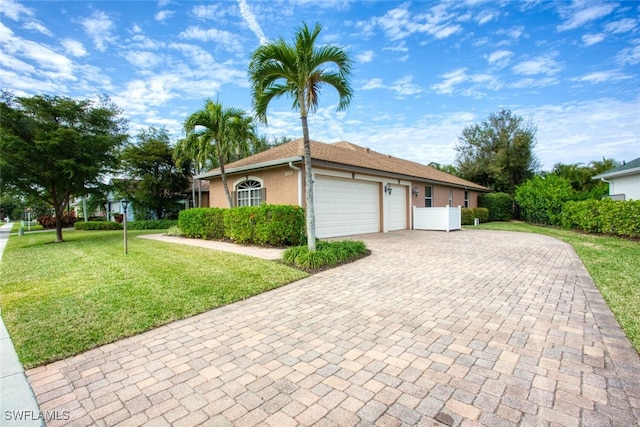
[280, 225]
[500, 206]
[203, 223]
[617, 217]
[152, 224]
[327, 254]
[49, 221]
[240, 223]
[97, 225]
[482, 214]
[467, 216]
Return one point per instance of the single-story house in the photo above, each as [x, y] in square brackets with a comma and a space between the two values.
[356, 190]
[624, 181]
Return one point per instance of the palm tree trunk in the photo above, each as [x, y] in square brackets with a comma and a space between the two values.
[311, 217]
[223, 175]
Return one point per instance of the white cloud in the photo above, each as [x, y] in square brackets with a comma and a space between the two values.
[451, 80]
[398, 47]
[485, 17]
[602, 77]
[366, 56]
[399, 23]
[37, 26]
[591, 39]
[143, 60]
[583, 12]
[499, 58]
[224, 39]
[99, 27]
[209, 11]
[14, 10]
[540, 65]
[405, 86]
[622, 26]
[163, 15]
[630, 55]
[373, 84]
[252, 22]
[73, 47]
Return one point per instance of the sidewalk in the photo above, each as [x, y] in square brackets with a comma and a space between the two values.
[18, 404]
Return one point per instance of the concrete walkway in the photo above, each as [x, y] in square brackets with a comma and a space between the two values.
[18, 405]
[465, 328]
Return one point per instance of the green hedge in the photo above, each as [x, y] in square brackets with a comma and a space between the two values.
[500, 206]
[617, 217]
[97, 225]
[275, 225]
[152, 224]
[203, 223]
[469, 214]
[327, 254]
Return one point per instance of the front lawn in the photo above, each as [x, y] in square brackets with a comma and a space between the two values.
[59, 299]
[612, 262]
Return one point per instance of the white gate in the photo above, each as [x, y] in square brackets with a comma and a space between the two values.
[443, 219]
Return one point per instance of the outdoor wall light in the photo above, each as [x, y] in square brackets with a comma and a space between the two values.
[414, 191]
[387, 188]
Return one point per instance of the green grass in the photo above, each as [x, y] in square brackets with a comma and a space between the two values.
[612, 262]
[59, 299]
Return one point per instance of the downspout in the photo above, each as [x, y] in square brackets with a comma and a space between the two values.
[299, 182]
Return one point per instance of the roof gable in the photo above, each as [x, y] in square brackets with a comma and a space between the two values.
[629, 168]
[344, 154]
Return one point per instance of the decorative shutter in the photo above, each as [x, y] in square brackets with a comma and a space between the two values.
[234, 200]
[263, 195]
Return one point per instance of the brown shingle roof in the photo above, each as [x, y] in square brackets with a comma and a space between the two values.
[348, 154]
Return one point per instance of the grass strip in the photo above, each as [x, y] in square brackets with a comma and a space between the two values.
[612, 262]
[60, 299]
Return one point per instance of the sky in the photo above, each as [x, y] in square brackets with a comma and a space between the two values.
[422, 70]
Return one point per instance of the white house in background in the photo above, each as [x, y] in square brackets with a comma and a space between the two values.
[624, 181]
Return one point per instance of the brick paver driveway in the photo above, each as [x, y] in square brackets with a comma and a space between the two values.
[469, 328]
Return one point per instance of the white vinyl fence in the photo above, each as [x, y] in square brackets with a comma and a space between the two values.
[443, 219]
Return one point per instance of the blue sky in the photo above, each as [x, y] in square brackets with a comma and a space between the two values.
[423, 70]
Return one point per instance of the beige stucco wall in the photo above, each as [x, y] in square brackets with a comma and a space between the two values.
[281, 185]
[440, 196]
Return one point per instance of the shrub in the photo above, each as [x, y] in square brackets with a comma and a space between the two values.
[97, 225]
[152, 224]
[49, 221]
[607, 216]
[467, 216]
[204, 223]
[327, 254]
[500, 206]
[175, 231]
[541, 199]
[482, 214]
[275, 225]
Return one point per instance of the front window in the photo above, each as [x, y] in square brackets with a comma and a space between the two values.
[249, 193]
[450, 197]
[428, 199]
[466, 199]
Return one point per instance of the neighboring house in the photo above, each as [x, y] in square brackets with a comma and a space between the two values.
[624, 181]
[356, 190]
[198, 194]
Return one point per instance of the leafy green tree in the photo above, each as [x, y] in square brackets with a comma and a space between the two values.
[215, 135]
[498, 153]
[542, 197]
[55, 148]
[156, 184]
[298, 71]
[581, 178]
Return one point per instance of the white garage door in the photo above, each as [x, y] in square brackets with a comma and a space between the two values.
[346, 206]
[397, 210]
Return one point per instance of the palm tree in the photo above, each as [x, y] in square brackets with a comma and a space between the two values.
[298, 71]
[214, 134]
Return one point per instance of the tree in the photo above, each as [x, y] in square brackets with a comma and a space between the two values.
[215, 134]
[157, 183]
[541, 198]
[55, 148]
[299, 71]
[580, 176]
[498, 153]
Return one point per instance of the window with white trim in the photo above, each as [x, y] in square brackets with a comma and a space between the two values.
[428, 198]
[450, 197]
[249, 193]
[466, 199]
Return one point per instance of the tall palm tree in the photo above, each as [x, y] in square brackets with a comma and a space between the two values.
[299, 71]
[216, 133]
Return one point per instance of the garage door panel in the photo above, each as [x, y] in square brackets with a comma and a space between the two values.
[345, 207]
[397, 209]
